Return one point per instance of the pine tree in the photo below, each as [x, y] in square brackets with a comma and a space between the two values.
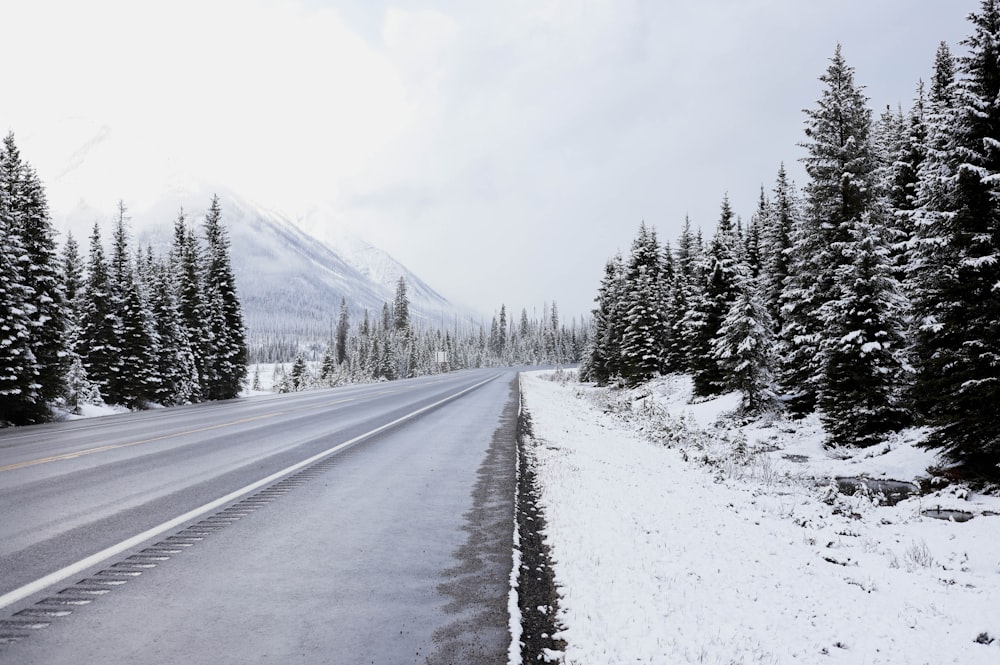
[185, 266]
[642, 339]
[744, 346]
[175, 363]
[959, 348]
[227, 336]
[98, 344]
[862, 349]
[841, 163]
[684, 292]
[137, 382]
[401, 308]
[19, 387]
[42, 277]
[777, 234]
[73, 288]
[343, 325]
[604, 356]
[714, 303]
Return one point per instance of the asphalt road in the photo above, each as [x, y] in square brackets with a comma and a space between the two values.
[367, 524]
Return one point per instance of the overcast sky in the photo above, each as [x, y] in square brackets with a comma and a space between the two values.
[501, 150]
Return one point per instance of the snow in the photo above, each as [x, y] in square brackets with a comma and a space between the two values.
[679, 538]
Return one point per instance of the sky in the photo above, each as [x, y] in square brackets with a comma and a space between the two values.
[503, 151]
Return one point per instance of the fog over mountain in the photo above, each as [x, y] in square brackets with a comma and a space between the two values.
[291, 283]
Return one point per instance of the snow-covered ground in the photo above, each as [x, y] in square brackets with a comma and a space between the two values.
[679, 539]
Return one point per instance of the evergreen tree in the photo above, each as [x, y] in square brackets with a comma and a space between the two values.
[841, 163]
[19, 388]
[721, 267]
[343, 324]
[73, 288]
[41, 276]
[185, 266]
[227, 336]
[684, 293]
[781, 220]
[958, 353]
[744, 346]
[401, 308]
[862, 349]
[98, 344]
[137, 382]
[645, 326]
[175, 363]
[604, 357]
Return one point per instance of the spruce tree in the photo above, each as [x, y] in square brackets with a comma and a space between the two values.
[841, 163]
[863, 345]
[19, 388]
[721, 266]
[98, 344]
[42, 277]
[782, 217]
[227, 336]
[175, 363]
[604, 358]
[744, 346]
[185, 266]
[73, 288]
[343, 324]
[959, 350]
[641, 344]
[137, 382]
[684, 292]
[401, 308]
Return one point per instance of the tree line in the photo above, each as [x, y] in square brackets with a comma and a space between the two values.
[128, 328]
[871, 297]
[393, 346]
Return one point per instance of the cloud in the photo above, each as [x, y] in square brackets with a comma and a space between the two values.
[502, 150]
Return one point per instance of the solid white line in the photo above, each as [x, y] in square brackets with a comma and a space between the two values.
[94, 559]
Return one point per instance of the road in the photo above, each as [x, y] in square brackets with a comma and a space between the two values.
[367, 524]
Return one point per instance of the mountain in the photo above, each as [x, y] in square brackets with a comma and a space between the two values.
[290, 282]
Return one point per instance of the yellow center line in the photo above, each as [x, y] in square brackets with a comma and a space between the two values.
[115, 446]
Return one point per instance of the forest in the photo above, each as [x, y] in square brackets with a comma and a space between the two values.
[130, 328]
[871, 296]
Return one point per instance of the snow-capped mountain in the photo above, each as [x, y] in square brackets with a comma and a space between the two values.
[290, 282]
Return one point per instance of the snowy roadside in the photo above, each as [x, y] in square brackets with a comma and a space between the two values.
[717, 545]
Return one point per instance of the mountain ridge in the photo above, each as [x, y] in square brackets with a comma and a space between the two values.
[290, 282]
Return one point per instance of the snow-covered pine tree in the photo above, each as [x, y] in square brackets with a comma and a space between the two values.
[863, 346]
[227, 335]
[343, 326]
[783, 215]
[401, 307]
[40, 272]
[721, 268]
[185, 267]
[174, 359]
[645, 325]
[928, 252]
[603, 357]
[754, 246]
[98, 343]
[958, 355]
[73, 288]
[20, 402]
[137, 382]
[841, 164]
[744, 346]
[684, 292]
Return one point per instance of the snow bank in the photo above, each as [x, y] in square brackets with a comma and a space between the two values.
[730, 546]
